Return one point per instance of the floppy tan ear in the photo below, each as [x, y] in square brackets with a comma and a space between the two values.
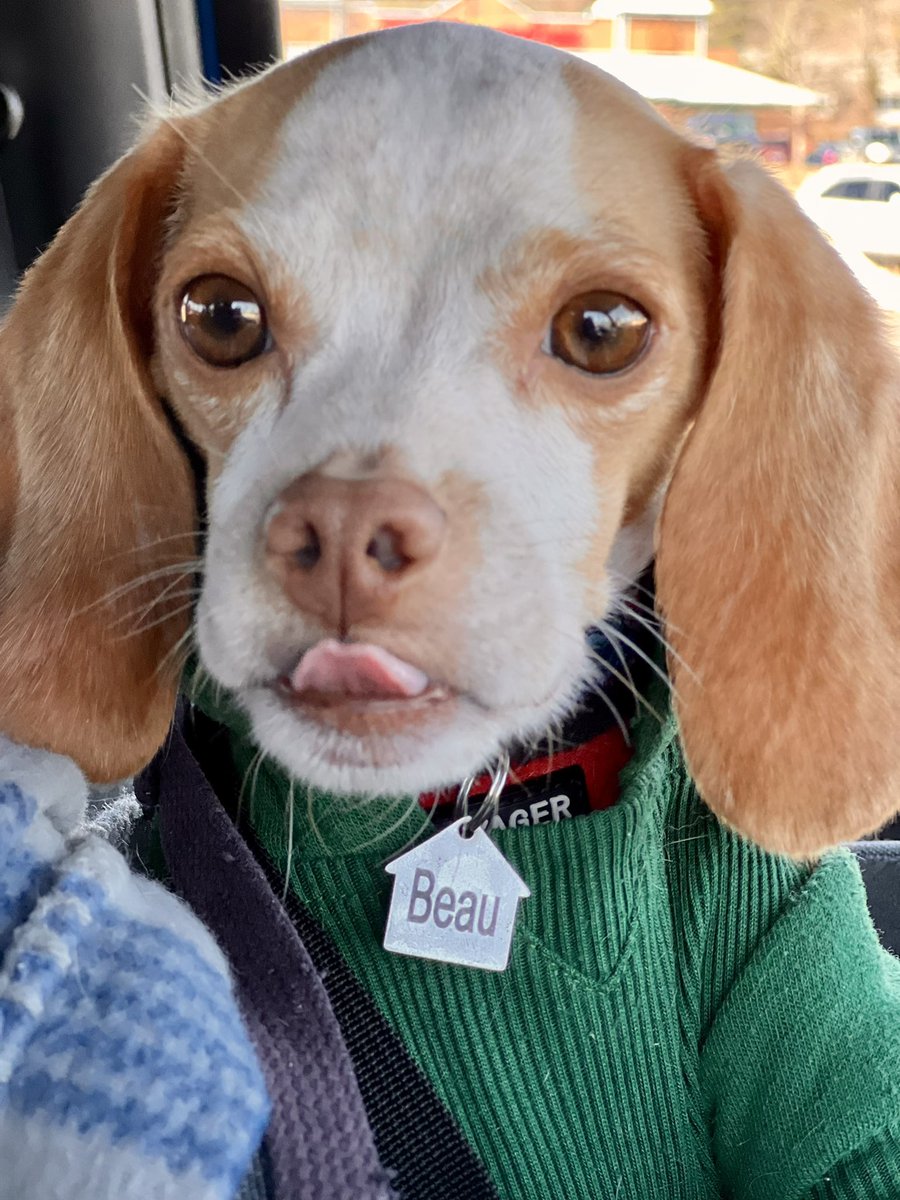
[778, 567]
[94, 492]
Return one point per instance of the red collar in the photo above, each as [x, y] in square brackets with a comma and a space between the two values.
[585, 776]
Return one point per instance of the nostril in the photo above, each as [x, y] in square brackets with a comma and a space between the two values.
[386, 547]
[308, 555]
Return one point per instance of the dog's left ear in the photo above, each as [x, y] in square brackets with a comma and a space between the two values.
[96, 498]
[778, 566]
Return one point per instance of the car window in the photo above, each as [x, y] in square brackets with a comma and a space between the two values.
[849, 189]
[884, 190]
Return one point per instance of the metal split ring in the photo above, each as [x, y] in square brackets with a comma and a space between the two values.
[488, 807]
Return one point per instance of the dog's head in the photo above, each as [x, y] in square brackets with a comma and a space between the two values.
[458, 325]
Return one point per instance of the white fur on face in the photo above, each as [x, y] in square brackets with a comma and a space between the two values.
[401, 180]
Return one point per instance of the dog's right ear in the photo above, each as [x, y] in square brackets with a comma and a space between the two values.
[778, 566]
[96, 498]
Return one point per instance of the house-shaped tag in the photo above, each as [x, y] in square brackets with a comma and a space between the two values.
[454, 900]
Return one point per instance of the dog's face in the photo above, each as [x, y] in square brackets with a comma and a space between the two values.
[434, 240]
[458, 325]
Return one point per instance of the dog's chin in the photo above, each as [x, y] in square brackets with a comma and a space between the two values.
[365, 747]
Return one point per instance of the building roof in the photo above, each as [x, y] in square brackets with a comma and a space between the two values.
[605, 10]
[576, 7]
[538, 11]
[698, 81]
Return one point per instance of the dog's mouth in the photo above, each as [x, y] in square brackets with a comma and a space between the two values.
[355, 717]
[360, 688]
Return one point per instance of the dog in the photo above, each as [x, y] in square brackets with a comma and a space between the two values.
[377, 381]
[413, 291]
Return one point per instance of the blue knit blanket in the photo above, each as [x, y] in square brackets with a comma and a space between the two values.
[125, 1069]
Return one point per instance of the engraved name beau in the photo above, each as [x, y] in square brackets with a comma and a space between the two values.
[454, 900]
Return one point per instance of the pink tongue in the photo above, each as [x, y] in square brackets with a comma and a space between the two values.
[336, 669]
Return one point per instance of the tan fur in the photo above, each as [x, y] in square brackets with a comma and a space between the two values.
[221, 247]
[95, 492]
[231, 143]
[779, 548]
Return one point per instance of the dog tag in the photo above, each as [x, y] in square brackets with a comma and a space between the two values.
[454, 900]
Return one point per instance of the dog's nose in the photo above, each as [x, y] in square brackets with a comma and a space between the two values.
[343, 548]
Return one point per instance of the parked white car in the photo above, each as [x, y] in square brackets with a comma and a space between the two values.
[883, 286]
[858, 206]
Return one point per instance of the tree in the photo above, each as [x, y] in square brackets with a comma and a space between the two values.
[847, 49]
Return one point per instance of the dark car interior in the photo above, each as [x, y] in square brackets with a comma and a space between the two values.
[74, 79]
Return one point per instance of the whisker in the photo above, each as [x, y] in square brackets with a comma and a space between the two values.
[616, 674]
[667, 645]
[148, 625]
[254, 763]
[194, 534]
[655, 630]
[203, 679]
[164, 117]
[635, 691]
[597, 690]
[198, 679]
[627, 602]
[627, 605]
[147, 609]
[647, 659]
[182, 646]
[194, 567]
[168, 593]
[606, 630]
[550, 751]
[626, 582]
[552, 731]
[311, 817]
[289, 818]
[411, 806]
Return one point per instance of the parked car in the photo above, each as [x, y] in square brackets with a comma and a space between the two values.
[876, 145]
[827, 153]
[774, 151]
[738, 130]
[858, 206]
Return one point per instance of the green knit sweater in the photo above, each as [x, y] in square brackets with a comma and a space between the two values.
[683, 1016]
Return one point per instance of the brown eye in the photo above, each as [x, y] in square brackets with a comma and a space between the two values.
[600, 332]
[222, 321]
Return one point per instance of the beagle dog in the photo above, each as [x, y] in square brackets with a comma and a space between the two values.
[466, 335]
